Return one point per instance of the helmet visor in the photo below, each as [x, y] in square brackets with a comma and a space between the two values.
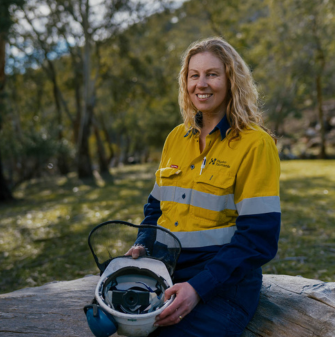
[113, 239]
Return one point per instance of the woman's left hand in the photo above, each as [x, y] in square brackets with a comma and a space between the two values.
[186, 299]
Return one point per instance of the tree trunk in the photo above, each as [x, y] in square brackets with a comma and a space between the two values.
[117, 155]
[107, 138]
[278, 119]
[320, 61]
[5, 194]
[103, 162]
[145, 155]
[84, 161]
[2, 64]
[322, 154]
[77, 121]
[125, 150]
[62, 163]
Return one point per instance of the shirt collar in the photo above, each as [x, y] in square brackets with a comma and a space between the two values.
[223, 126]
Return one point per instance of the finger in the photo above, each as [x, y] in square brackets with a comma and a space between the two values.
[129, 252]
[174, 318]
[170, 310]
[136, 252]
[186, 299]
[173, 306]
[169, 292]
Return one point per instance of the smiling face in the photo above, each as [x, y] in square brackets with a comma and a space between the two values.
[207, 83]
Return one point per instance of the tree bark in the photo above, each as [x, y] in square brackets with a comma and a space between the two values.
[2, 63]
[84, 167]
[278, 119]
[107, 138]
[125, 148]
[62, 163]
[289, 306]
[103, 162]
[322, 154]
[84, 161]
[5, 193]
[76, 125]
[320, 61]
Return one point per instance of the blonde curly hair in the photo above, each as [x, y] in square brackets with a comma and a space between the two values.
[242, 108]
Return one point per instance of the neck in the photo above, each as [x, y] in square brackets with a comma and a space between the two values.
[209, 122]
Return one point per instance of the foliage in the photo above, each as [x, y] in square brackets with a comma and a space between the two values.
[6, 10]
[120, 77]
[44, 234]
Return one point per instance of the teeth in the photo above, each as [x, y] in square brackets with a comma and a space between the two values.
[204, 96]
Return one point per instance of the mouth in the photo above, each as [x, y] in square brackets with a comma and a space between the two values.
[204, 96]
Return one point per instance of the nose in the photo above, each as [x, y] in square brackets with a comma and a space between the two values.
[202, 82]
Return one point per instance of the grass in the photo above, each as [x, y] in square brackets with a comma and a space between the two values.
[307, 240]
[43, 235]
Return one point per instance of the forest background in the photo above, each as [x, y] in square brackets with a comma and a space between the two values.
[89, 88]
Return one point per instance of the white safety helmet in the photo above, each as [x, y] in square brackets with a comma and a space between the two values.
[130, 292]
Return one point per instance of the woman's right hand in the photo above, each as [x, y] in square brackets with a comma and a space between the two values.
[136, 251]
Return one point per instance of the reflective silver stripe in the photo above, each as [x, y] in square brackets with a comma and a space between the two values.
[192, 197]
[156, 192]
[258, 205]
[211, 237]
[212, 202]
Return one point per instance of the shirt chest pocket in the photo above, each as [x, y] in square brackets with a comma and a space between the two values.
[213, 197]
[167, 179]
[167, 176]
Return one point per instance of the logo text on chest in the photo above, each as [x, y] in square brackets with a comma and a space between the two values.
[218, 162]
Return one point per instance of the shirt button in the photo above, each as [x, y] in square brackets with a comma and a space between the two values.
[176, 223]
[192, 167]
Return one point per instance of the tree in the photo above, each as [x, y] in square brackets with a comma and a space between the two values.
[5, 24]
[309, 28]
[77, 25]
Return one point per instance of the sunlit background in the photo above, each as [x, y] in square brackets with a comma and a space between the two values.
[88, 94]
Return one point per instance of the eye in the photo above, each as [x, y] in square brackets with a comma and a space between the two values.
[212, 75]
[194, 76]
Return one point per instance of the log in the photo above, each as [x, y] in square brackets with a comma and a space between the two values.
[294, 307]
[289, 306]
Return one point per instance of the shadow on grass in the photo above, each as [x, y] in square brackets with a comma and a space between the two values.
[45, 233]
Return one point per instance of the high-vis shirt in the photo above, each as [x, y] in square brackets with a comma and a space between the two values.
[222, 204]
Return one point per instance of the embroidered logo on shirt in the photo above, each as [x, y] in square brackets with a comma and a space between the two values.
[218, 162]
[222, 163]
[174, 166]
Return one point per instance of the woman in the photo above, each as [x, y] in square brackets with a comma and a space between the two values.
[217, 190]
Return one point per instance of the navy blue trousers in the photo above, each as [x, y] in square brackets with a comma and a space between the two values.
[226, 315]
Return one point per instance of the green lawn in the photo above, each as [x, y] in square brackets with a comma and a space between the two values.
[307, 242]
[43, 235]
